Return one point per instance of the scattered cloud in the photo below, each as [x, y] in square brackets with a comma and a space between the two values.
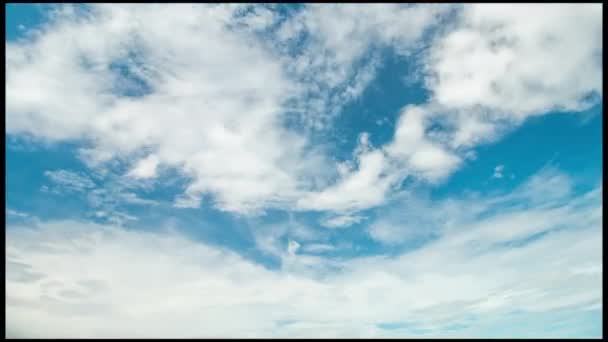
[336, 59]
[16, 213]
[318, 248]
[342, 221]
[192, 119]
[70, 181]
[105, 198]
[498, 171]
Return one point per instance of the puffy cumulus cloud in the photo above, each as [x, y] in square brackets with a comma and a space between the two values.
[362, 188]
[508, 62]
[493, 57]
[69, 279]
[207, 114]
[413, 147]
[379, 170]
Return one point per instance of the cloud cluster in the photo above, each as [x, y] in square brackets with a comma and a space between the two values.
[497, 58]
[492, 68]
[69, 279]
[212, 103]
[206, 99]
[223, 93]
[487, 71]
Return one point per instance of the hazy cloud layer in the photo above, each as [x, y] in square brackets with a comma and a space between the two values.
[69, 279]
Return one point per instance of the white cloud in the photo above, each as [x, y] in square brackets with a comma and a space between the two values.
[496, 57]
[207, 114]
[358, 189]
[412, 146]
[105, 197]
[222, 119]
[412, 218]
[336, 59]
[145, 168]
[395, 233]
[318, 248]
[411, 153]
[17, 213]
[487, 72]
[342, 221]
[269, 238]
[68, 180]
[498, 171]
[69, 279]
[530, 208]
[292, 247]
[131, 198]
[494, 65]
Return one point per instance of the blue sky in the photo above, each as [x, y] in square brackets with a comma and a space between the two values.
[322, 170]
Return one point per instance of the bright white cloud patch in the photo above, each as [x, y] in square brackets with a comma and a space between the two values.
[342, 221]
[145, 168]
[494, 68]
[496, 57]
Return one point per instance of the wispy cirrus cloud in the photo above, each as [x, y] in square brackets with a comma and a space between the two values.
[70, 181]
[105, 193]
